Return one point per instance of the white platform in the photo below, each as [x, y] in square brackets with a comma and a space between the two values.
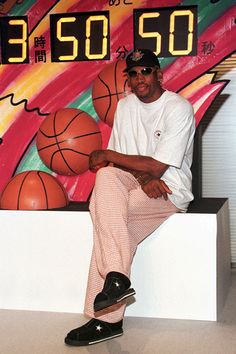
[181, 271]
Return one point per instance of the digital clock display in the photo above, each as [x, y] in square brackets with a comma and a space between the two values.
[167, 31]
[80, 36]
[14, 39]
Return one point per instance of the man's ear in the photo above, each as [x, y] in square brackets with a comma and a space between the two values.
[128, 80]
[159, 75]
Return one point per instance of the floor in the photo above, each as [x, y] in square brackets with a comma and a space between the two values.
[25, 332]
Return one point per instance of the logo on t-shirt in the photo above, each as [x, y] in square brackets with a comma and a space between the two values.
[157, 134]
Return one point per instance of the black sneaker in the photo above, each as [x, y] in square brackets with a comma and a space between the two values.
[94, 331]
[116, 288]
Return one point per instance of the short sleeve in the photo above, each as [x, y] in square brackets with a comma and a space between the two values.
[114, 143]
[179, 125]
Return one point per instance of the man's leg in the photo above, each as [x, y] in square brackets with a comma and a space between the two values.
[109, 213]
[111, 250]
[143, 216]
[123, 216]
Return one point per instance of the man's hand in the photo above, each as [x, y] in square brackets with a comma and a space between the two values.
[97, 159]
[153, 187]
[156, 188]
[142, 178]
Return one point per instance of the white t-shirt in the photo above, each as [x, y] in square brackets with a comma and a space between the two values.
[163, 129]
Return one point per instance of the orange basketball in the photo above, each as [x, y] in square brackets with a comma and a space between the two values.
[109, 86]
[66, 138]
[33, 190]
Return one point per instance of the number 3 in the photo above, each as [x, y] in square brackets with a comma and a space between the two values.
[22, 41]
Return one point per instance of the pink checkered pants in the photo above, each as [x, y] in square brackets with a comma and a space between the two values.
[123, 216]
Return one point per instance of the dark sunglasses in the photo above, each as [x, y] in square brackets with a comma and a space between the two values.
[144, 72]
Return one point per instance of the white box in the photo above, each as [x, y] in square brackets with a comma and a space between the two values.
[181, 271]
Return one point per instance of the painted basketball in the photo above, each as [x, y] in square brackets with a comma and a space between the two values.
[33, 190]
[108, 88]
[65, 140]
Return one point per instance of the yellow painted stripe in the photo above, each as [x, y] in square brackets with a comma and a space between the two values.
[39, 75]
[196, 85]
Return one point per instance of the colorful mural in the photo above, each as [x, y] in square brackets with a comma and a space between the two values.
[30, 91]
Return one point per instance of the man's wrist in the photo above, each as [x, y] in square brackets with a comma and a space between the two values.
[108, 155]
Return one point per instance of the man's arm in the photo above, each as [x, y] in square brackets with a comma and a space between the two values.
[142, 164]
[145, 169]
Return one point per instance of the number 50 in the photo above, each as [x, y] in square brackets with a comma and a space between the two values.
[158, 36]
[75, 42]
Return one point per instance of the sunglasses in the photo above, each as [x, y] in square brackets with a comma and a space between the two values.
[144, 72]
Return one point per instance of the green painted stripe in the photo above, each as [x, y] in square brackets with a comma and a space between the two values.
[209, 12]
[32, 161]
[21, 9]
[85, 102]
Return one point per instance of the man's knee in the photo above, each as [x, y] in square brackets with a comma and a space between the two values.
[106, 173]
[113, 177]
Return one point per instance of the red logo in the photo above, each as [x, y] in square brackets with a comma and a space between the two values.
[137, 55]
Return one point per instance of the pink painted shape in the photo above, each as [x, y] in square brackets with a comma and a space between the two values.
[178, 74]
[210, 91]
[223, 34]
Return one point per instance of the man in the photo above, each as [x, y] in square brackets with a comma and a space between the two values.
[148, 179]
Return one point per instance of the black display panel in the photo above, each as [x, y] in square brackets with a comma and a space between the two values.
[167, 31]
[80, 36]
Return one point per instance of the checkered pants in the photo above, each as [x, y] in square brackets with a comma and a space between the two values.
[123, 216]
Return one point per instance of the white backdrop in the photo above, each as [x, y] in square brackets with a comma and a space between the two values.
[219, 146]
